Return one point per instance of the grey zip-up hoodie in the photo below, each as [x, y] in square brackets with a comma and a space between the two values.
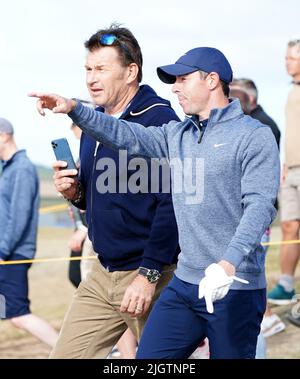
[239, 170]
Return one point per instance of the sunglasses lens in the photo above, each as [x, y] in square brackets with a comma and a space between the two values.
[107, 39]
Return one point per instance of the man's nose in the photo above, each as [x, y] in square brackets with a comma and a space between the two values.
[175, 87]
[91, 77]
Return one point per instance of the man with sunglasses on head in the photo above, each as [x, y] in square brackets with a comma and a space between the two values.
[134, 234]
[219, 287]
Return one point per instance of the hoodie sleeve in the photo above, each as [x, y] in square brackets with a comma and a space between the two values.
[23, 191]
[259, 187]
[135, 138]
[162, 246]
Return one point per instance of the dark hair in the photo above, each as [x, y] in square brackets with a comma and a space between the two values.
[225, 88]
[131, 53]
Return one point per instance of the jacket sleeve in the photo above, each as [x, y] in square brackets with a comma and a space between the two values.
[136, 139]
[259, 187]
[23, 191]
[162, 245]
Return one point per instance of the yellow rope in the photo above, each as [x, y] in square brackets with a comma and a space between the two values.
[54, 208]
[43, 260]
[63, 207]
[277, 243]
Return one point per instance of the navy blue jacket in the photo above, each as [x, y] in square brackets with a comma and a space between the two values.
[19, 206]
[129, 230]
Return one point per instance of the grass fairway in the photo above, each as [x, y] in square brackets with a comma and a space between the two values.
[50, 293]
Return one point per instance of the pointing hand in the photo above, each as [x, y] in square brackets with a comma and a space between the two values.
[56, 103]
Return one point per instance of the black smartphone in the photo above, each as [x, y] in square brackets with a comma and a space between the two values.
[63, 152]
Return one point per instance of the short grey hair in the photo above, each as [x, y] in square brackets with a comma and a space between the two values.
[294, 42]
[246, 85]
[6, 127]
[203, 74]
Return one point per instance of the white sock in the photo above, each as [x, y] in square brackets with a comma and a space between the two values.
[287, 282]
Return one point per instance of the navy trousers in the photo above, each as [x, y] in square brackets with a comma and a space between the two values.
[179, 321]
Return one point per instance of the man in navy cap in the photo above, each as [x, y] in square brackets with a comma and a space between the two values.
[220, 220]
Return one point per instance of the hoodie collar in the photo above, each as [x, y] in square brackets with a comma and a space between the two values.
[217, 115]
[232, 110]
[145, 99]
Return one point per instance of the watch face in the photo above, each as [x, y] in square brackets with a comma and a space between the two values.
[153, 276]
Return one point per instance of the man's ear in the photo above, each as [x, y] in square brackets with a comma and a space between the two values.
[213, 80]
[133, 71]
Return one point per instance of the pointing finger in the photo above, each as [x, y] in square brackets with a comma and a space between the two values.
[39, 105]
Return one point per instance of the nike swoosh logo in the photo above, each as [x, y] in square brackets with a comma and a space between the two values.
[220, 144]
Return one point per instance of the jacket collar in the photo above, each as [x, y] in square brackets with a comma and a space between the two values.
[18, 155]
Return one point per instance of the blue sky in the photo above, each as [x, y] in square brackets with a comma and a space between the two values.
[41, 48]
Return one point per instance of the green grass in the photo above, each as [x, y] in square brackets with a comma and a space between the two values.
[47, 202]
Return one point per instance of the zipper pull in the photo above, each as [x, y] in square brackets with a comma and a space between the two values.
[200, 136]
[96, 148]
[200, 132]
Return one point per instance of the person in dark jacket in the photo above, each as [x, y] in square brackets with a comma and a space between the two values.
[19, 203]
[254, 109]
[133, 231]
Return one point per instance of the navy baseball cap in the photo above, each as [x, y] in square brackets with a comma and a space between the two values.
[207, 59]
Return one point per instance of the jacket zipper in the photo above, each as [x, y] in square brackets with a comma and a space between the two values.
[92, 179]
[199, 130]
[201, 133]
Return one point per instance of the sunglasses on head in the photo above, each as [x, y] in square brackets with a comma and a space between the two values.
[110, 39]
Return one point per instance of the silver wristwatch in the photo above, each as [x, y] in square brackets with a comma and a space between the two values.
[151, 274]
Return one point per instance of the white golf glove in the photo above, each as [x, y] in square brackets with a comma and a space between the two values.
[215, 285]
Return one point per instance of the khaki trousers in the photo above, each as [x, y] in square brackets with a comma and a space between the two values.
[87, 264]
[93, 323]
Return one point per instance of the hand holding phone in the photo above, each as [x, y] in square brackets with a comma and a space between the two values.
[63, 152]
[65, 177]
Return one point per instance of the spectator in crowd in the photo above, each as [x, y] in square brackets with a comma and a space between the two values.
[19, 205]
[246, 91]
[284, 291]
